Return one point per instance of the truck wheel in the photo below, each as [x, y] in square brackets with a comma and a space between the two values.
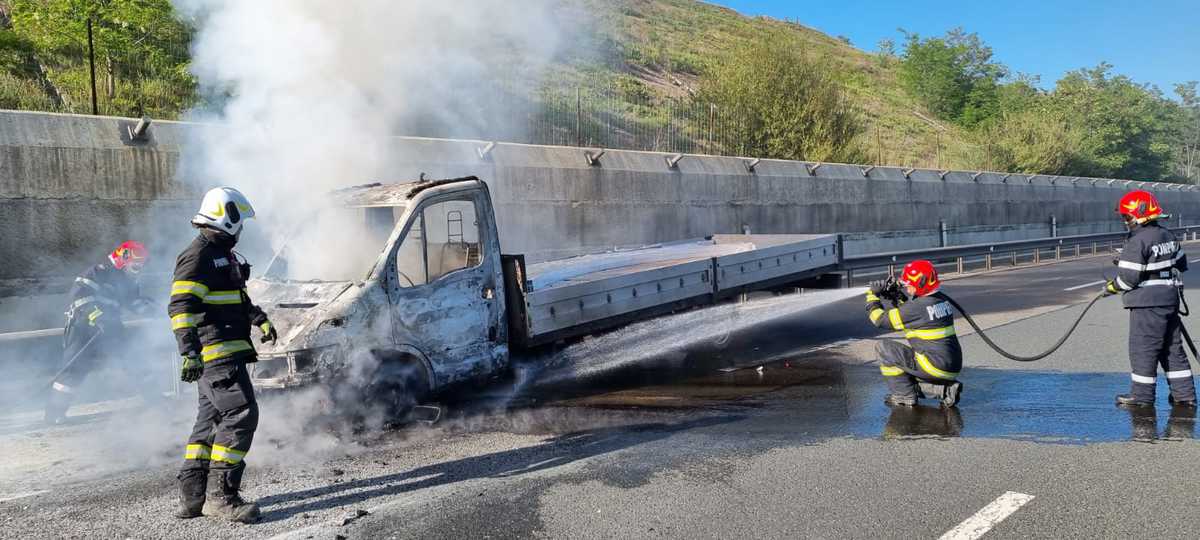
[400, 384]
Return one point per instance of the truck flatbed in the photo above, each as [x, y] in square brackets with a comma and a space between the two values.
[576, 296]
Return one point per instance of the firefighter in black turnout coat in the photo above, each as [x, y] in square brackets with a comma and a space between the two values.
[928, 368]
[1149, 283]
[94, 330]
[211, 315]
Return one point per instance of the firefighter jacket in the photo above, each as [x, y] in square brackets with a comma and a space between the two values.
[928, 324]
[211, 314]
[1148, 268]
[98, 295]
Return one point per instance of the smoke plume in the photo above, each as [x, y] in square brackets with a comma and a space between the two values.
[308, 92]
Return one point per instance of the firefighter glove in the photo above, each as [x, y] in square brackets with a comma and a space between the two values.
[878, 287]
[192, 369]
[269, 333]
[1110, 288]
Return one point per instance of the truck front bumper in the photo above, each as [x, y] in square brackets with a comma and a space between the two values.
[288, 370]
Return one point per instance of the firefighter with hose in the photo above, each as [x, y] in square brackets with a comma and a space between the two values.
[1148, 281]
[211, 315]
[928, 367]
[94, 329]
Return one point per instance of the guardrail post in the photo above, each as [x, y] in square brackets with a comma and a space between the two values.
[942, 232]
[1058, 252]
[1014, 258]
[1076, 250]
[1093, 248]
[1053, 226]
[960, 265]
[1037, 255]
[849, 277]
[987, 261]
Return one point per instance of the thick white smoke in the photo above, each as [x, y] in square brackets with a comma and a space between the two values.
[315, 88]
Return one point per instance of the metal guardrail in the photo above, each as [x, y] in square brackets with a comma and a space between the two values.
[991, 254]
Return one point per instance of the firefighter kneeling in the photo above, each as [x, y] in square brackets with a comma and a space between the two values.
[211, 315]
[930, 366]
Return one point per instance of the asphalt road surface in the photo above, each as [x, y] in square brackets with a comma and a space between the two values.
[669, 429]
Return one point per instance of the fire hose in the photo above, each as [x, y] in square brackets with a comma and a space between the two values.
[983, 335]
[892, 291]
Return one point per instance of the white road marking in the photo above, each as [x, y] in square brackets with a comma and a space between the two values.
[1092, 284]
[1195, 261]
[7, 498]
[990, 516]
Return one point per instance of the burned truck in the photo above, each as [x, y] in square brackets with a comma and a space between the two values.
[439, 304]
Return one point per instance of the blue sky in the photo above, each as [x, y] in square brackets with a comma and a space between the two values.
[1152, 41]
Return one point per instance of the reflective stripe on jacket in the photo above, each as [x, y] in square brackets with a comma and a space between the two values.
[1147, 271]
[211, 314]
[928, 324]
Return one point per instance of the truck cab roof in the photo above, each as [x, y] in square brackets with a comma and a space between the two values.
[379, 195]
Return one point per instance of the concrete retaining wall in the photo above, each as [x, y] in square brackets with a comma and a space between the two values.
[71, 186]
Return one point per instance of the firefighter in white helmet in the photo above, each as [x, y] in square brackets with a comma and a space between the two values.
[212, 315]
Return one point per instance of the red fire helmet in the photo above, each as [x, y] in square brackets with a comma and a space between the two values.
[130, 255]
[1139, 207]
[922, 276]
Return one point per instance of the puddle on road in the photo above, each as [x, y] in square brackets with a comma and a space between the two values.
[818, 397]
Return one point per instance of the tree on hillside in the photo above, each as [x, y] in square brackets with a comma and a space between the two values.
[1189, 118]
[1127, 128]
[1033, 140]
[953, 76]
[23, 80]
[141, 52]
[788, 104]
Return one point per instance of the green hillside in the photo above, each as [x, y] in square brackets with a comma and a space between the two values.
[669, 45]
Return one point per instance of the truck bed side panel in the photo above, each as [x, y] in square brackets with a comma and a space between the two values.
[560, 308]
[768, 264]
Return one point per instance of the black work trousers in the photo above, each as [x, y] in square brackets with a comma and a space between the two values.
[1156, 340]
[225, 422]
[900, 366]
[82, 353]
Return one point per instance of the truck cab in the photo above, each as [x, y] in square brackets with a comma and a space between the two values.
[429, 311]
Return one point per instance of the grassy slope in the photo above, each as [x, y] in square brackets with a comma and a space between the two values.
[667, 44]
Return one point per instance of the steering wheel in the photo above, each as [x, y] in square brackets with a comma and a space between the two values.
[411, 283]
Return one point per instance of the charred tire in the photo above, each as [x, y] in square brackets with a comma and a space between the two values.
[400, 382]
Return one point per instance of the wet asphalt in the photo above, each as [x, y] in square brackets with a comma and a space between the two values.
[694, 441]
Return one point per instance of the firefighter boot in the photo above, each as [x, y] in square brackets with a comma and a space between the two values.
[900, 400]
[192, 484]
[1129, 400]
[951, 394]
[1181, 403]
[903, 390]
[224, 501]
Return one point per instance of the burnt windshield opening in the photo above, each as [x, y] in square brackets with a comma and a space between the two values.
[334, 245]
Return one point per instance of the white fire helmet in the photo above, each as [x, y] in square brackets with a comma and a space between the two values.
[224, 209]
